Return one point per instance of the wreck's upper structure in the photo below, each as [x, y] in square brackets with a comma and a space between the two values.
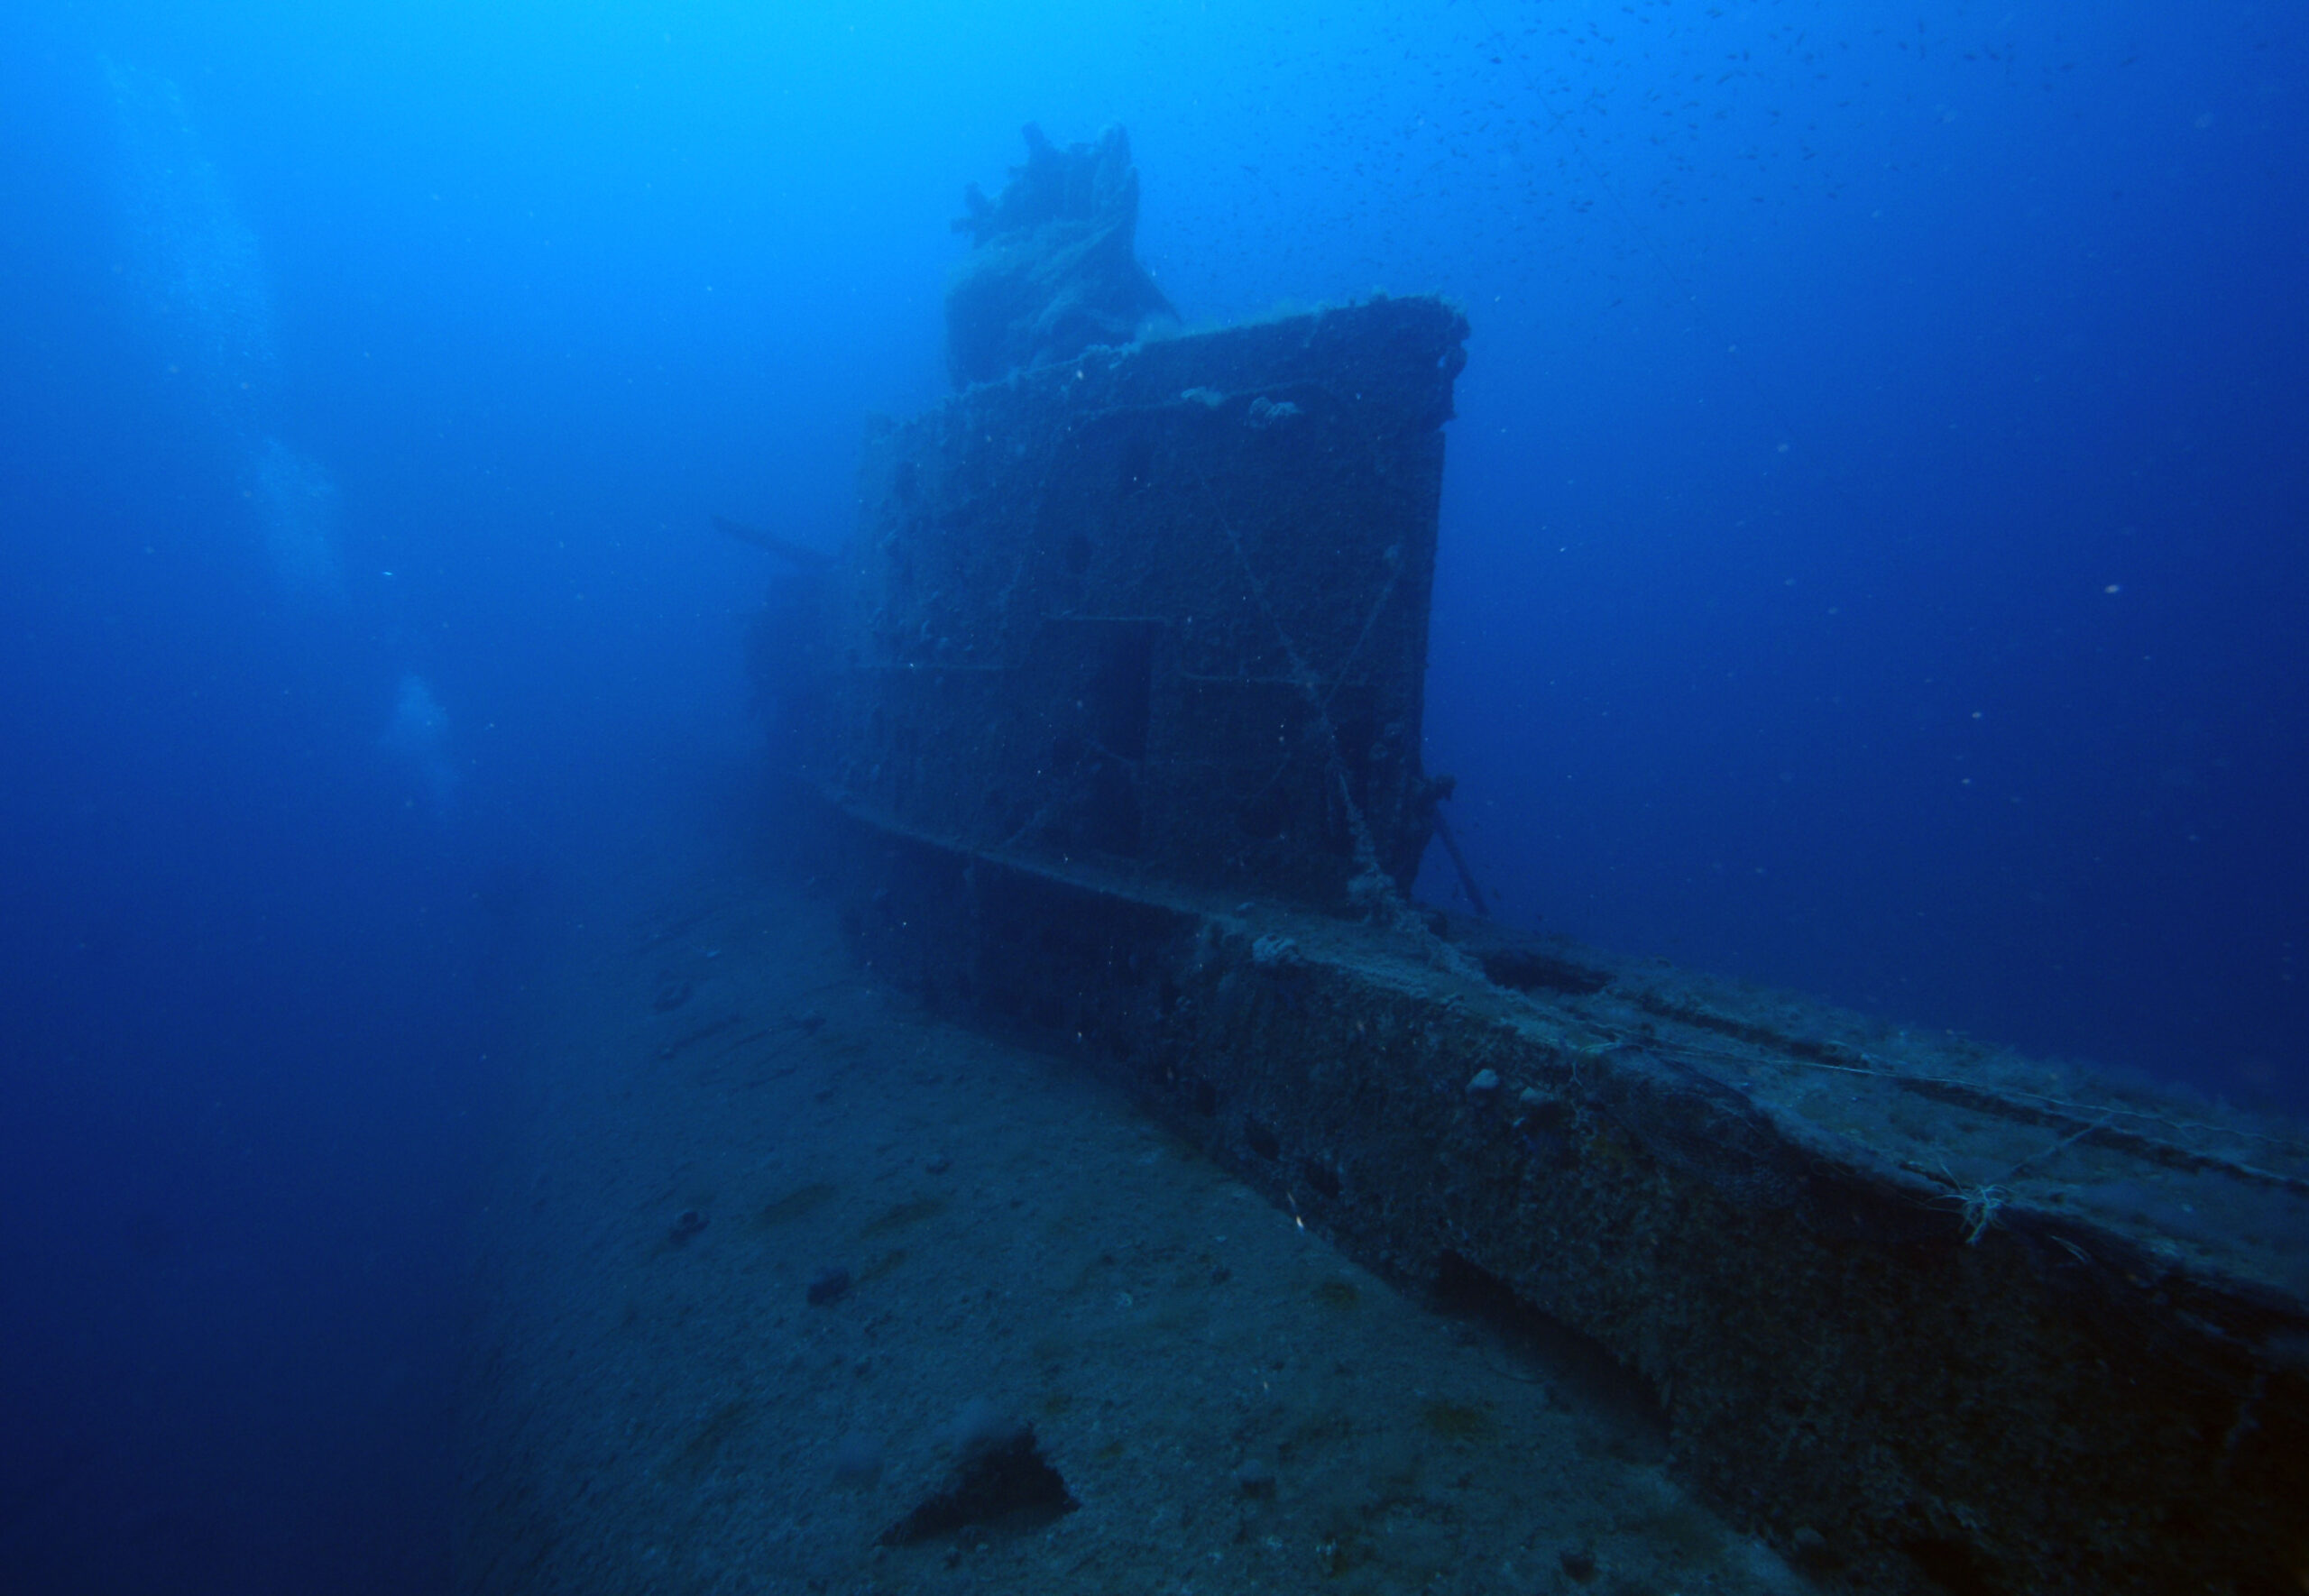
[1054, 266]
[1164, 607]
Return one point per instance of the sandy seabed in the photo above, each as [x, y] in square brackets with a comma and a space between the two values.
[724, 1112]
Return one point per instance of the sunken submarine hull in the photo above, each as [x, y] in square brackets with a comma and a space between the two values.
[1116, 716]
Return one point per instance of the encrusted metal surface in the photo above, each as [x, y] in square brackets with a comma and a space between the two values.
[1166, 605]
[1922, 1345]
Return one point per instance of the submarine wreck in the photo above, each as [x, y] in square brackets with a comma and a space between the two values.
[1111, 701]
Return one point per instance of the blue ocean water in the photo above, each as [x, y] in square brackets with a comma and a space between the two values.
[1873, 563]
